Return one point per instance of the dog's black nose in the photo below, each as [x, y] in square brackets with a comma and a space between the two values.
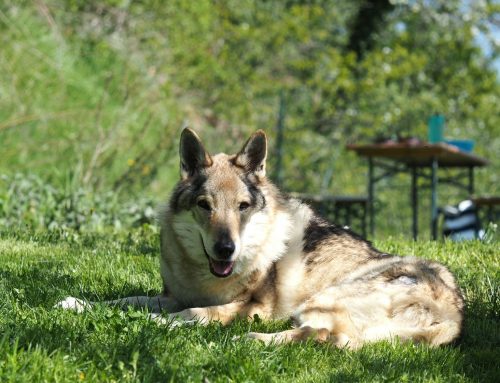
[224, 248]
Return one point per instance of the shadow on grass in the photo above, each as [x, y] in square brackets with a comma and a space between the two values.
[41, 284]
[109, 340]
[37, 286]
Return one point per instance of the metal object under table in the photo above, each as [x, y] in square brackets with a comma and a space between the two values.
[420, 160]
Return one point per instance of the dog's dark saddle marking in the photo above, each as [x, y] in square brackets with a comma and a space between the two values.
[319, 229]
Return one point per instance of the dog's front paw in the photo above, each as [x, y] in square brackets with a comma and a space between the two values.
[176, 322]
[189, 317]
[71, 303]
[250, 335]
[170, 320]
[265, 338]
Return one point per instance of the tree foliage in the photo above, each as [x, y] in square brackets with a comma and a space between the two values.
[97, 91]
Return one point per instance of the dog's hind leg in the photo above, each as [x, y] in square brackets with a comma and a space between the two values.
[340, 335]
[332, 324]
[433, 335]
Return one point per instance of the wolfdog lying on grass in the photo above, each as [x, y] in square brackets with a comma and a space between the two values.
[233, 245]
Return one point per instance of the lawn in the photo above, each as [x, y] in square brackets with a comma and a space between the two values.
[40, 343]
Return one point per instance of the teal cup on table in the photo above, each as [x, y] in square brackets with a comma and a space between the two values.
[436, 128]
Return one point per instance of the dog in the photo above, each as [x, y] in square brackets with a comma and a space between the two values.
[233, 245]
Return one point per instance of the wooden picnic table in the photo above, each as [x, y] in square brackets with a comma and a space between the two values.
[421, 160]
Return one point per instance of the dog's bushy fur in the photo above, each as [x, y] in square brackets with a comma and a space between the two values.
[233, 245]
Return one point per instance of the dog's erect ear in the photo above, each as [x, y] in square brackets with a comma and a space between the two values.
[252, 157]
[193, 155]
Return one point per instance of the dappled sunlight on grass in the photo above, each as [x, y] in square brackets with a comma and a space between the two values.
[40, 342]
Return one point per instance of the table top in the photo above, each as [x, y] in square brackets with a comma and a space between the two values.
[486, 201]
[420, 154]
[329, 198]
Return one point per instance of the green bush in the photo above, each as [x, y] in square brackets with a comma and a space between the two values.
[28, 202]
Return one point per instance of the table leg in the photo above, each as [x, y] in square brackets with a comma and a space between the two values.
[414, 201]
[490, 212]
[363, 219]
[471, 181]
[348, 215]
[434, 212]
[371, 185]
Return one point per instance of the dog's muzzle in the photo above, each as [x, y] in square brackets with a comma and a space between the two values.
[224, 249]
[221, 268]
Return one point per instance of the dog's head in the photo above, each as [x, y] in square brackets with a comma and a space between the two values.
[216, 197]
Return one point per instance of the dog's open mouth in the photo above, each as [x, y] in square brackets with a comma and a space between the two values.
[220, 269]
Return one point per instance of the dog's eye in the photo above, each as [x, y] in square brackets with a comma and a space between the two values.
[244, 206]
[204, 204]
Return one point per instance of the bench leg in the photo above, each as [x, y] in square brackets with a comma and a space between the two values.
[434, 212]
[414, 201]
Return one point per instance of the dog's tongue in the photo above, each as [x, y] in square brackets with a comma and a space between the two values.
[221, 268]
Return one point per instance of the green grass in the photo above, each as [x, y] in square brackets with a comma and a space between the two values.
[40, 343]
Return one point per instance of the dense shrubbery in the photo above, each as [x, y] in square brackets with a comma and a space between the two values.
[28, 202]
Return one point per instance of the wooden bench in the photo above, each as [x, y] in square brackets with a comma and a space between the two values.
[342, 210]
[488, 208]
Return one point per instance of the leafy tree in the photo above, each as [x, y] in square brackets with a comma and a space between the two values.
[95, 92]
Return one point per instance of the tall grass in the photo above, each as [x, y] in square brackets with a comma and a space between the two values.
[76, 106]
